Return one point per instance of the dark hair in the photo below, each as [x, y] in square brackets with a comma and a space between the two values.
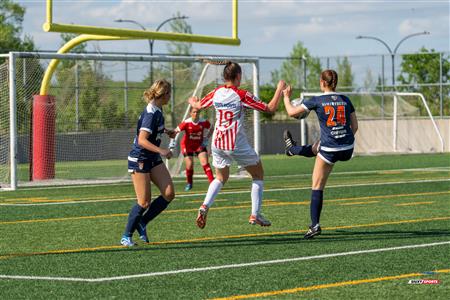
[231, 71]
[330, 77]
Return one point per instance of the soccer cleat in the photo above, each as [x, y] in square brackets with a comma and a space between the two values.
[288, 142]
[142, 230]
[201, 217]
[313, 231]
[188, 187]
[259, 219]
[127, 241]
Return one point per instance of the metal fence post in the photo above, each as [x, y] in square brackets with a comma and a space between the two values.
[305, 84]
[441, 99]
[382, 86]
[172, 95]
[12, 120]
[125, 94]
[77, 97]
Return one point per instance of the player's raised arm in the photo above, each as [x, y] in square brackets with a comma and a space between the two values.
[273, 104]
[292, 111]
[195, 102]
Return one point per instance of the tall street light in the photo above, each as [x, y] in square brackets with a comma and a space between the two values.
[392, 53]
[151, 42]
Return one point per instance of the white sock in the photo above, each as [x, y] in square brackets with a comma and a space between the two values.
[214, 188]
[257, 193]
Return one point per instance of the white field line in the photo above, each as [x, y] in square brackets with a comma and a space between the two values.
[232, 192]
[430, 169]
[230, 266]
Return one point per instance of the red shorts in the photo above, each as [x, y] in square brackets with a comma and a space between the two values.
[191, 150]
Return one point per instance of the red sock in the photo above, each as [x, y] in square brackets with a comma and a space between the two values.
[208, 172]
[189, 175]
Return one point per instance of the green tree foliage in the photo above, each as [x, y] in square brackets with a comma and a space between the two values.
[97, 107]
[293, 70]
[29, 72]
[180, 26]
[300, 70]
[182, 72]
[424, 68]
[369, 81]
[345, 76]
[11, 18]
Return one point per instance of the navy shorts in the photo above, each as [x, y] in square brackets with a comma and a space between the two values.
[142, 166]
[332, 157]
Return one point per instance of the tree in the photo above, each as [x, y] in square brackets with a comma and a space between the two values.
[345, 76]
[424, 68]
[180, 26]
[293, 70]
[300, 70]
[369, 81]
[11, 18]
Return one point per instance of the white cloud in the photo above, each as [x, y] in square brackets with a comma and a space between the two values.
[264, 26]
[409, 26]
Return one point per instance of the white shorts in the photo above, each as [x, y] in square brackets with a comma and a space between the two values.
[243, 154]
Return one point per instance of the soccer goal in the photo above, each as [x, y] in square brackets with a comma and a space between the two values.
[389, 122]
[82, 132]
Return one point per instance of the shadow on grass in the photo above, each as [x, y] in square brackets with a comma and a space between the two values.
[331, 236]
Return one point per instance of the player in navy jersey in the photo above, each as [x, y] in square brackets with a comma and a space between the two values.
[145, 164]
[338, 125]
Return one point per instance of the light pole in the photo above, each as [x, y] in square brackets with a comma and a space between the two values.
[151, 42]
[392, 53]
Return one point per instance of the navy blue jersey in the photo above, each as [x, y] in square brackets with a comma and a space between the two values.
[152, 121]
[333, 111]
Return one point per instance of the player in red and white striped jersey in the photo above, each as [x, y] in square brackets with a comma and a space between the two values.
[194, 142]
[229, 140]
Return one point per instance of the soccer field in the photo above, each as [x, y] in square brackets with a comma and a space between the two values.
[385, 221]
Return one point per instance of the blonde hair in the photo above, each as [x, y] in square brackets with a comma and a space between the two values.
[158, 89]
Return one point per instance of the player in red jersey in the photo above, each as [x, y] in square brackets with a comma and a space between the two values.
[229, 140]
[195, 142]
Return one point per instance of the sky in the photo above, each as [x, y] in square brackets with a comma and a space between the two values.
[266, 28]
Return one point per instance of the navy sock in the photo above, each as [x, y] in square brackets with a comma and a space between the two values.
[316, 206]
[305, 150]
[156, 207]
[133, 219]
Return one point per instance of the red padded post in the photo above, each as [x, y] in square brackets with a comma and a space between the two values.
[44, 116]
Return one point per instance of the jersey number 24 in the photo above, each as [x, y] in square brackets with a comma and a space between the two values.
[336, 116]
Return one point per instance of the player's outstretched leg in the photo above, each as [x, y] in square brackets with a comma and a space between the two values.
[214, 188]
[292, 149]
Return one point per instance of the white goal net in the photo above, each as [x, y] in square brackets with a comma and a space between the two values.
[84, 135]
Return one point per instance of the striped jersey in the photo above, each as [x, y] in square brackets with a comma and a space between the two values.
[229, 103]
